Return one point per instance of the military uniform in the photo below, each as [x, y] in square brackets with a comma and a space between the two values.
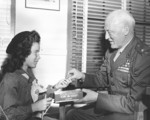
[15, 95]
[127, 79]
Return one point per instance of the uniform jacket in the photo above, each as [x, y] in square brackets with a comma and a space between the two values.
[127, 78]
[15, 94]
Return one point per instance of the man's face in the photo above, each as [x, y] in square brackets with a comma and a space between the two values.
[33, 58]
[114, 34]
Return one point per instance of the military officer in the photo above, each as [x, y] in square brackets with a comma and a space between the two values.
[126, 71]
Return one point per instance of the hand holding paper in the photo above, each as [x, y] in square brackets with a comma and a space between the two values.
[63, 83]
[75, 74]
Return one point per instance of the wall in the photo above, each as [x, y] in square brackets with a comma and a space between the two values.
[52, 26]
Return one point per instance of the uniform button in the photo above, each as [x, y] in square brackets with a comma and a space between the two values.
[142, 50]
[112, 83]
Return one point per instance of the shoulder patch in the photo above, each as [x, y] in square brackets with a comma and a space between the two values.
[143, 49]
[25, 75]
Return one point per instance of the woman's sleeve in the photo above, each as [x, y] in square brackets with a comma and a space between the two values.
[11, 103]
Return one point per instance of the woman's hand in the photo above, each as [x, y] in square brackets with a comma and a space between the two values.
[73, 75]
[41, 105]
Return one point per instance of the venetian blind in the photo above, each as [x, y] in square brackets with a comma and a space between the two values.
[86, 33]
[6, 25]
[140, 9]
[75, 33]
[97, 12]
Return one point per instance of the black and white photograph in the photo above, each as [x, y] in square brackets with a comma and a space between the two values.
[74, 59]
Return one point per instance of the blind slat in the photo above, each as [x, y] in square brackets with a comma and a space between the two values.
[97, 11]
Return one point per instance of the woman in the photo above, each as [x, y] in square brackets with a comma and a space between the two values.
[16, 87]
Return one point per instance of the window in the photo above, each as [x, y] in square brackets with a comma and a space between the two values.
[140, 9]
[6, 25]
[86, 46]
[86, 33]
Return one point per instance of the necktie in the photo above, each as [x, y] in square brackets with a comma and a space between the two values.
[117, 55]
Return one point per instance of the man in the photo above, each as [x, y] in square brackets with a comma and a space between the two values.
[126, 71]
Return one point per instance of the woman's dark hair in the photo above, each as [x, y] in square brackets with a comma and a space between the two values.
[18, 49]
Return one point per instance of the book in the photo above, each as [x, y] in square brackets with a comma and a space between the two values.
[68, 95]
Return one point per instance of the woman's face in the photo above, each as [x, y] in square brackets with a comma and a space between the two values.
[33, 58]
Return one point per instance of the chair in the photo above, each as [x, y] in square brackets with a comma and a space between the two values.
[143, 110]
[62, 111]
[146, 101]
[64, 106]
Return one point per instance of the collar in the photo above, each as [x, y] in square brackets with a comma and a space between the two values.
[122, 48]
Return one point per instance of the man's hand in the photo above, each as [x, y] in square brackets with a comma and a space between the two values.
[90, 97]
[62, 83]
[75, 74]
